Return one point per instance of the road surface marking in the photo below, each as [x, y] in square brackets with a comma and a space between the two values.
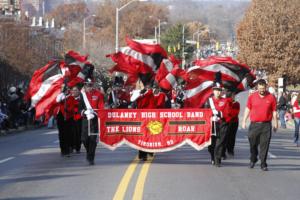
[271, 155]
[6, 159]
[120, 193]
[50, 132]
[139, 187]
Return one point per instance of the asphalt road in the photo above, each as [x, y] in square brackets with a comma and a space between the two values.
[31, 168]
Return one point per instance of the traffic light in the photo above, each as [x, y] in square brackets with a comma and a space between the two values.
[169, 49]
[198, 45]
[217, 46]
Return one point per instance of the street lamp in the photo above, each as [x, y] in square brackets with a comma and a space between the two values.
[117, 20]
[159, 25]
[84, 34]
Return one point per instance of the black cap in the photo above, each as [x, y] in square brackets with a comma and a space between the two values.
[119, 81]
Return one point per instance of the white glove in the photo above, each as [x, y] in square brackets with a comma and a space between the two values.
[215, 118]
[90, 116]
[135, 94]
[88, 112]
[60, 97]
[215, 112]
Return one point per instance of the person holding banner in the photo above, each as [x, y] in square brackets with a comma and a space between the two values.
[144, 99]
[91, 100]
[221, 116]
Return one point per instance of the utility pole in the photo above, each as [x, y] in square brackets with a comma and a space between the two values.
[183, 56]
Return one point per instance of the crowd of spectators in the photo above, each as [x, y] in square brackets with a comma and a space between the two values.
[14, 110]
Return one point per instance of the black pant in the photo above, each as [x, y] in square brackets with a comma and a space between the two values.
[89, 142]
[259, 134]
[143, 154]
[231, 135]
[218, 142]
[64, 134]
[76, 134]
[90, 145]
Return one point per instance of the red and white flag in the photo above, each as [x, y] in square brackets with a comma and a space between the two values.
[235, 77]
[76, 68]
[44, 87]
[137, 58]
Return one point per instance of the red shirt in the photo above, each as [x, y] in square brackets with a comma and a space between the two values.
[296, 106]
[261, 108]
[235, 110]
[146, 101]
[77, 115]
[96, 99]
[160, 100]
[223, 105]
[122, 95]
[67, 107]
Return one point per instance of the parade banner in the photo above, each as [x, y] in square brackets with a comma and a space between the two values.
[155, 130]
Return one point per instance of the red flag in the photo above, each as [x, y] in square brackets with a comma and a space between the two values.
[77, 56]
[197, 92]
[44, 86]
[137, 58]
[146, 48]
[234, 74]
[168, 73]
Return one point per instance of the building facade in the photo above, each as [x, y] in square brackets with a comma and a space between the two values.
[9, 7]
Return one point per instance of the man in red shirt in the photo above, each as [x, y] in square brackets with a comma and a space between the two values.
[261, 107]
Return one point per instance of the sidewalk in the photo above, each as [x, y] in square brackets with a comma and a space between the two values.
[19, 129]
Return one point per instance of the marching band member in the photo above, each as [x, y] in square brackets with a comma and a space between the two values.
[119, 97]
[160, 98]
[64, 122]
[144, 99]
[76, 121]
[221, 116]
[233, 126]
[90, 101]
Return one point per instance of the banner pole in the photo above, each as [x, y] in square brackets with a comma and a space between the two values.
[89, 127]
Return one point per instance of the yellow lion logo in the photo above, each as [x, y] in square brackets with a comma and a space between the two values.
[155, 127]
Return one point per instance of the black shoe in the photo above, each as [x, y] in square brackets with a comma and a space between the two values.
[91, 162]
[264, 168]
[151, 154]
[144, 158]
[231, 154]
[217, 164]
[251, 165]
